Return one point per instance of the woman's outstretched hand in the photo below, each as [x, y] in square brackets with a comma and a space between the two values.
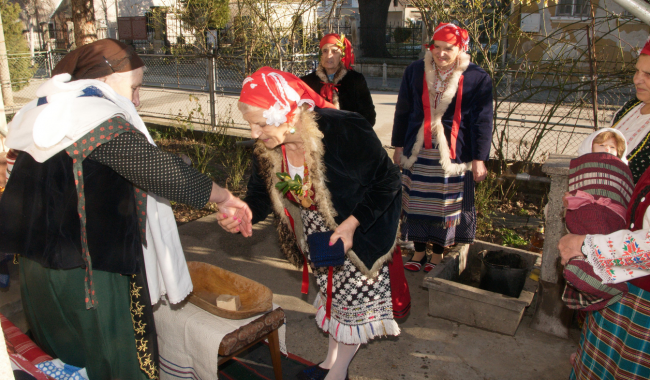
[234, 214]
[345, 232]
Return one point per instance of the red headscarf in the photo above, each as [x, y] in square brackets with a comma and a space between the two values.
[646, 48]
[347, 53]
[452, 34]
[279, 93]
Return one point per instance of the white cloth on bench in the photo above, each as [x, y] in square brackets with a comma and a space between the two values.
[189, 339]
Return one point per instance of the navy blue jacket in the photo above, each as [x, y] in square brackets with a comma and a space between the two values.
[475, 134]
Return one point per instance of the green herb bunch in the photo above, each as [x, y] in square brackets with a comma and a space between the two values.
[286, 184]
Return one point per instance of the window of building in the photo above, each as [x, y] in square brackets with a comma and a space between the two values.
[573, 8]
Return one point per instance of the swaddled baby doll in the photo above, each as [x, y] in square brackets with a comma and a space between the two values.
[600, 185]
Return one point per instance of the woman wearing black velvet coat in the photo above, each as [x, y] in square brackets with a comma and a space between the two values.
[337, 82]
[349, 186]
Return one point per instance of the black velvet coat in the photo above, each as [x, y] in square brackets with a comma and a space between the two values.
[39, 219]
[353, 93]
[351, 174]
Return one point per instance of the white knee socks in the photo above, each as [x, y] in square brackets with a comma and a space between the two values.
[344, 355]
[331, 354]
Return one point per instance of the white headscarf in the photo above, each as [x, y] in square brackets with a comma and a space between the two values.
[45, 130]
[586, 145]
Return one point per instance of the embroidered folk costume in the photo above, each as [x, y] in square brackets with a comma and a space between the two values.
[443, 121]
[97, 247]
[346, 89]
[615, 340]
[349, 174]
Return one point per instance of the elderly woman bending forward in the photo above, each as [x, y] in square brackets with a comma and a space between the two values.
[350, 186]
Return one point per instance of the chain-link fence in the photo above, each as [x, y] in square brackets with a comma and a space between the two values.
[202, 90]
[546, 113]
[530, 122]
[27, 73]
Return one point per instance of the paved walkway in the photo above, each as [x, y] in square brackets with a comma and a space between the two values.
[428, 348]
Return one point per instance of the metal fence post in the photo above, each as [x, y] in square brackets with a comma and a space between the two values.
[178, 78]
[48, 61]
[580, 93]
[213, 116]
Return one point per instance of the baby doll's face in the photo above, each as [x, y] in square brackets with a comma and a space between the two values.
[607, 146]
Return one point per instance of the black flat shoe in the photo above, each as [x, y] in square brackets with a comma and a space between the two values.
[313, 373]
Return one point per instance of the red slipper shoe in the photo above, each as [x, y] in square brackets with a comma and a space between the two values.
[415, 266]
[428, 267]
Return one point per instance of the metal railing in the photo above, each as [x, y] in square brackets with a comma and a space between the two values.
[530, 122]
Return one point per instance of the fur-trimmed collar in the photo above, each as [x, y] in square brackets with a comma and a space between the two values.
[271, 160]
[340, 73]
[437, 129]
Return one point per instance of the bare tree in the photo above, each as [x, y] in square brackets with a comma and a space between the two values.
[83, 18]
[277, 22]
[544, 89]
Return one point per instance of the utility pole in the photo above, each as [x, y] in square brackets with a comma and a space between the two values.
[5, 78]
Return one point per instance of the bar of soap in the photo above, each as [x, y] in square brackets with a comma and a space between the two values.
[228, 302]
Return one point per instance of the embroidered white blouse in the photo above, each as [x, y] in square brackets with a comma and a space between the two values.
[620, 256]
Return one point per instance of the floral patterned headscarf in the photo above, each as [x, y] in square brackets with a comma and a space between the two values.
[279, 93]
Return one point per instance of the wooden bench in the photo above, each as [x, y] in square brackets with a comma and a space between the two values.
[264, 327]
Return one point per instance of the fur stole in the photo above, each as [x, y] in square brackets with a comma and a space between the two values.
[437, 129]
[340, 73]
[270, 162]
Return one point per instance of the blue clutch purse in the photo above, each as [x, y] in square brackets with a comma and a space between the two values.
[321, 253]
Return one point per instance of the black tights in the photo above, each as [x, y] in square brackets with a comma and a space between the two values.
[420, 247]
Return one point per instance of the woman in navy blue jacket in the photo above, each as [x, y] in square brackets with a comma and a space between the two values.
[442, 130]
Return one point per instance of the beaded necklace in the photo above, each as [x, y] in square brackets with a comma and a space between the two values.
[443, 77]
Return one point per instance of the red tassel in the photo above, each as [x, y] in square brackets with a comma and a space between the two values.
[305, 270]
[305, 277]
[328, 309]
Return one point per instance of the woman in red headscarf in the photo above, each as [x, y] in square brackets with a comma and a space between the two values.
[442, 133]
[84, 209]
[320, 169]
[336, 81]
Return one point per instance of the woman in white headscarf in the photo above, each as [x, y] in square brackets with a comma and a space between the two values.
[84, 209]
